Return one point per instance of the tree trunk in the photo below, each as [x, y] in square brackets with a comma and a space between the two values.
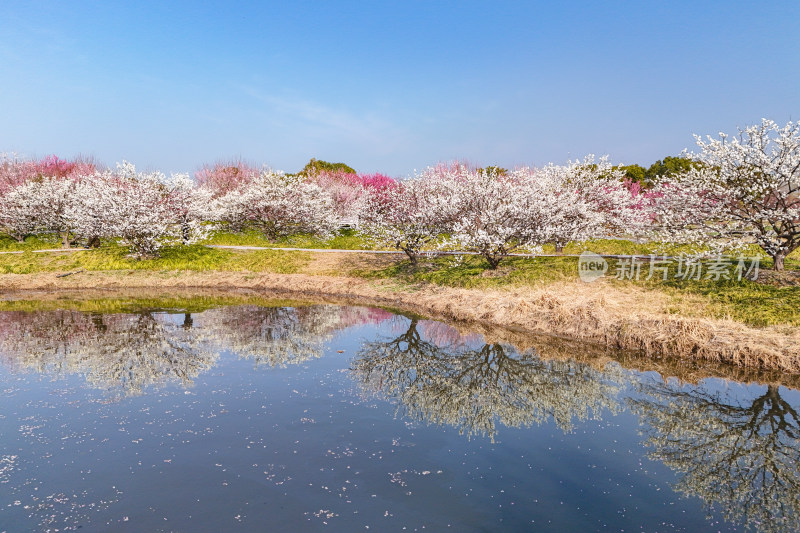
[411, 256]
[559, 248]
[185, 233]
[93, 242]
[65, 239]
[494, 261]
[777, 260]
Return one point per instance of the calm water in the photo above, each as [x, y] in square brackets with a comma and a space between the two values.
[341, 418]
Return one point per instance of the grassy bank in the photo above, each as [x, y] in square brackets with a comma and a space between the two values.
[748, 302]
[740, 322]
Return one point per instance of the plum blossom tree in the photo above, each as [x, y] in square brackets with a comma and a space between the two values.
[748, 190]
[500, 214]
[280, 205]
[95, 210]
[191, 207]
[18, 214]
[225, 176]
[41, 205]
[14, 170]
[37, 195]
[345, 189]
[350, 190]
[589, 199]
[410, 215]
[141, 214]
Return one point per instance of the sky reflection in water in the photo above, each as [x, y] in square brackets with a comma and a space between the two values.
[328, 417]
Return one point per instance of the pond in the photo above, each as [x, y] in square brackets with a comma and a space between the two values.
[310, 417]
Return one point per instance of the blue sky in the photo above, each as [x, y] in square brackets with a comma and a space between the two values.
[389, 86]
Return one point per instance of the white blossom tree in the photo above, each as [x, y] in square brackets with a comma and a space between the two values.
[41, 205]
[748, 190]
[500, 214]
[592, 201]
[410, 215]
[280, 205]
[19, 214]
[141, 213]
[191, 207]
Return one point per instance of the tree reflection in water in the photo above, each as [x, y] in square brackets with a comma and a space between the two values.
[742, 457]
[473, 389]
[128, 352]
[124, 353]
[279, 336]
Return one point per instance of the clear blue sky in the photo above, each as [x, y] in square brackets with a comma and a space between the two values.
[389, 86]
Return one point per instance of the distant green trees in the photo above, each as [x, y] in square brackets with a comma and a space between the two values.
[666, 168]
[316, 166]
[669, 167]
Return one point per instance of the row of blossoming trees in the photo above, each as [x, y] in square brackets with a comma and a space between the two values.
[742, 190]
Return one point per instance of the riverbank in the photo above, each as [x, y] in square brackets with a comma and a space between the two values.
[621, 316]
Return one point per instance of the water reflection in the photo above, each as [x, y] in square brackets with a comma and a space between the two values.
[736, 447]
[474, 387]
[124, 353]
[128, 352]
[738, 451]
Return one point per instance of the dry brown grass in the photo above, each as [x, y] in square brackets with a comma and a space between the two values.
[629, 318]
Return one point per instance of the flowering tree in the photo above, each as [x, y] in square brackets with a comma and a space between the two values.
[493, 212]
[350, 190]
[497, 214]
[95, 210]
[14, 171]
[748, 190]
[224, 177]
[190, 207]
[280, 205]
[18, 215]
[409, 215]
[141, 214]
[589, 198]
[345, 188]
[40, 205]
[36, 196]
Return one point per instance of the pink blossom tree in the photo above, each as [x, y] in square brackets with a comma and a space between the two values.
[225, 176]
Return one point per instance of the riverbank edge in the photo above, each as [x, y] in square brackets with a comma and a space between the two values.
[597, 313]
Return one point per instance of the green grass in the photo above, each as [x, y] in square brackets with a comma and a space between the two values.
[745, 301]
[34, 242]
[194, 258]
[188, 304]
[346, 239]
